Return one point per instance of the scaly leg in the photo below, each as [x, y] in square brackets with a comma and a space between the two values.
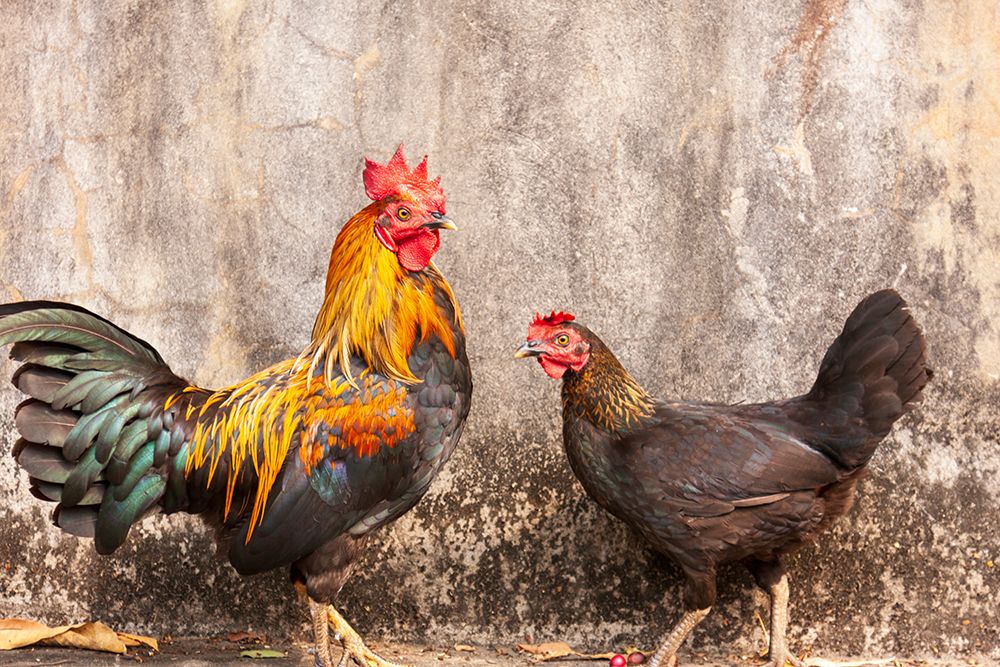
[354, 646]
[778, 652]
[668, 650]
[321, 634]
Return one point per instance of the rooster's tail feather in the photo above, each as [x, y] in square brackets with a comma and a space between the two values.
[91, 440]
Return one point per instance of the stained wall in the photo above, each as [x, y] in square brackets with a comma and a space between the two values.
[711, 187]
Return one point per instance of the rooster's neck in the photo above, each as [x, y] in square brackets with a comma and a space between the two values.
[605, 394]
[375, 309]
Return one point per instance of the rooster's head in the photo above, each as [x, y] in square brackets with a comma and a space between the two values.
[410, 209]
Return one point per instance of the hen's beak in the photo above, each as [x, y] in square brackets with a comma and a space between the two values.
[533, 348]
[440, 222]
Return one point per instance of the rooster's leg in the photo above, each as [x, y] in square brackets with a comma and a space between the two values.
[667, 653]
[321, 634]
[778, 652]
[354, 646]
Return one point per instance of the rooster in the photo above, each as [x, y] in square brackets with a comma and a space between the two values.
[297, 465]
[707, 484]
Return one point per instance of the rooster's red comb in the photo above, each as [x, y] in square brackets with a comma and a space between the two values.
[395, 178]
[552, 319]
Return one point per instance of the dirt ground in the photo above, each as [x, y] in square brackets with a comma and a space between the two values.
[202, 652]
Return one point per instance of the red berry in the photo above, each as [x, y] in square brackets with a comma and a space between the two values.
[636, 658]
[618, 660]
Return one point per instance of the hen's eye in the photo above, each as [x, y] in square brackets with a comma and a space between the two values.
[403, 213]
[562, 339]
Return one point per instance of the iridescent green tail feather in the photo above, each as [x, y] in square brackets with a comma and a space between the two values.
[92, 436]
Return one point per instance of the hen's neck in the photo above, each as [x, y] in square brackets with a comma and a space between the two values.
[605, 394]
[374, 308]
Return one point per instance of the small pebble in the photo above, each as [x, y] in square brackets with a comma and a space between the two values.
[618, 660]
[636, 658]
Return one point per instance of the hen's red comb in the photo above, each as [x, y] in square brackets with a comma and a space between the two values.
[395, 178]
[552, 319]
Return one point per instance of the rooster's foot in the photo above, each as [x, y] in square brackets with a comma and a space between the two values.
[354, 646]
[365, 657]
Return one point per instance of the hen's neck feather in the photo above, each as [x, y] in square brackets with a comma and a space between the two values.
[605, 394]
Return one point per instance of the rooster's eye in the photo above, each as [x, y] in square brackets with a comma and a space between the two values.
[403, 213]
[562, 339]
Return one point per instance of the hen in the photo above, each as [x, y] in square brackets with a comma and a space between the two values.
[707, 484]
[297, 465]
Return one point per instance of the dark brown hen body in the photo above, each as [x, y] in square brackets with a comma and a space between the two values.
[708, 484]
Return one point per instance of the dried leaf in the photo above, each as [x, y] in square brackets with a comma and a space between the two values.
[547, 651]
[19, 632]
[557, 650]
[820, 662]
[138, 640]
[262, 653]
[465, 647]
[90, 636]
[243, 636]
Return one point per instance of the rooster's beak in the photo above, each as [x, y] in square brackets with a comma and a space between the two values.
[533, 348]
[440, 222]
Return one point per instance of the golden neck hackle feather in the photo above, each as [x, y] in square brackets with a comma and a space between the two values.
[373, 310]
[373, 307]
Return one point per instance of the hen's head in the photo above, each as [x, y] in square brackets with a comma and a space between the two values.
[410, 211]
[557, 342]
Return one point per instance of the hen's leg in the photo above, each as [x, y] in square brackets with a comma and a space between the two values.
[778, 648]
[699, 596]
[771, 576]
[354, 646]
[668, 649]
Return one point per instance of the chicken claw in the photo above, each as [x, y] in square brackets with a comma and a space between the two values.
[787, 659]
[354, 646]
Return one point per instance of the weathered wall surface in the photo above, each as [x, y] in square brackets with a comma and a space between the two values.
[711, 187]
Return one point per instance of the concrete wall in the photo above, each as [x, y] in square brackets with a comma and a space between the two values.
[710, 186]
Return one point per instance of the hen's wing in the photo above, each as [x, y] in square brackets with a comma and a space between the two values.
[710, 459]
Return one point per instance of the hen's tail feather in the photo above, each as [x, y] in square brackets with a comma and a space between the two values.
[91, 440]
[872, 374]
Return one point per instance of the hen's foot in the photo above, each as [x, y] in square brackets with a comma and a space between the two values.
[354, 646]
[780, 661]
[666, 655]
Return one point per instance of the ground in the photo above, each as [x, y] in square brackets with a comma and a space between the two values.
[193, 652]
